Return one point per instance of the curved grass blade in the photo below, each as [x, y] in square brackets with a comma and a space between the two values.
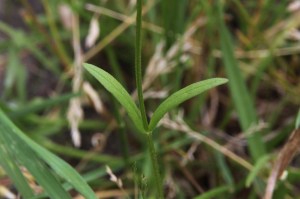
[12, 169]
[181, 96]
[297, 123]
[63, 169]
[259, 165]
[214, 193]
[22, 153]
[119, 92]
[41, 104]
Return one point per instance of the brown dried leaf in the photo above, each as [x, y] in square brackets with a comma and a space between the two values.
[284, 158]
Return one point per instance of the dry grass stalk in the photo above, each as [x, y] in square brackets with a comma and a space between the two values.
[116, 32]
[284, 158]
[180, 125]
[94, 32]
[93, 96]
[294, 6]
[75, 112]
[156, 94]
[6, 193]
[160, 64]
[243, 135]
[121, 17]
[259, 54]
[114, 178]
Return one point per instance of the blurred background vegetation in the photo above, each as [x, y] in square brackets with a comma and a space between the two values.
[222, 143]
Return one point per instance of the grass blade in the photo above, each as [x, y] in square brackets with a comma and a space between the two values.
[12, 170]
[297, 123]
[42, 104]
[256, 169]
[37, 152]
[25, 156]
[214, 193]
[241, 97]
[224, 168]
[181, 96]
[119, 92]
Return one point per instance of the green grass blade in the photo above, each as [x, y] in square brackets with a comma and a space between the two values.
[297, 123]
[63, 169]
[214, 193]
[257, 167]
[15, 76]
[12, 170]
[42, 104]
[241, 97]
[181, 96]
[119, 92]
[224, 168]
[24, 155]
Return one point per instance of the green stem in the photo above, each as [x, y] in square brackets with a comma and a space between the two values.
[154, 161]
[56, 38]
[138, 60]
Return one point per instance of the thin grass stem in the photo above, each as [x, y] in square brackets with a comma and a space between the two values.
[155, 166]
[138, 61]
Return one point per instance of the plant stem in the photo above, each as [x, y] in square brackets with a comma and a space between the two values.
[154, 161]
[138, 77]
[59, 47]
[138, 60]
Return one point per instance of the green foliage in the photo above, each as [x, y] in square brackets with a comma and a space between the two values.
[297, 124]
[16, 146]
[118, 91]
[183, 95]
[241, 97]
[260, 164]
[214, 193]
[183, 42]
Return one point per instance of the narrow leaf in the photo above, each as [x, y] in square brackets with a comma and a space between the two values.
[119, 92]
[181, 96]
[12, 169]
[63, 169]
[214, 193]
[224, 168]
[239, 92]
[282, 161]
[297, 123]
[22, 153]
[42, 104]
[256, 169]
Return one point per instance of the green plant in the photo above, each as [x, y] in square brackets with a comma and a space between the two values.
[17, 150]
[138, 115]
[241, 97]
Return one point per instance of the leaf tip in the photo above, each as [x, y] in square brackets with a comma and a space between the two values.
[223, 80]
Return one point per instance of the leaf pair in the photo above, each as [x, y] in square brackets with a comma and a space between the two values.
[118, 91]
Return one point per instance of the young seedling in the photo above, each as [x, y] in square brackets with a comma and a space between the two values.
[138, 115]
